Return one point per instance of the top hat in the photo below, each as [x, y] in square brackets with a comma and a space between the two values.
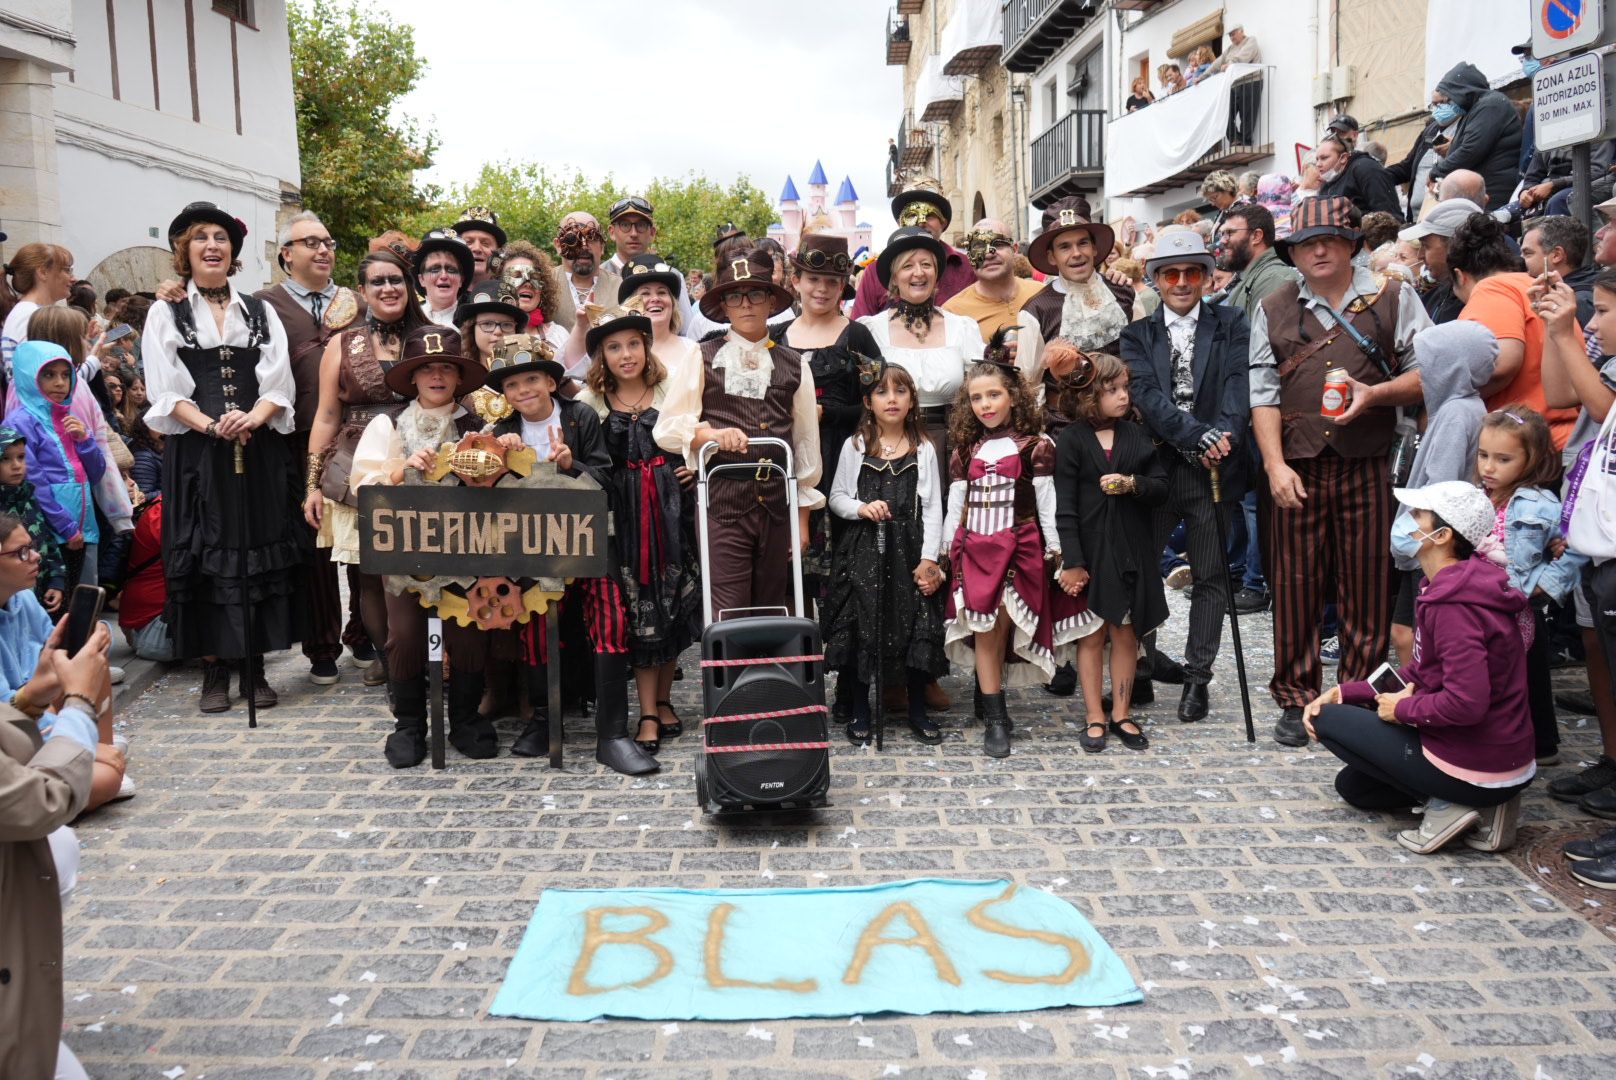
[908, 239]
[234, 227]
[475, 218]
[754, 271]
[1064, 216]
[1317, 217]
[726, 230]
[492, 297]
[929, 194]
[1177, 247]
[521, 353]
[647, 268]
[613, 322]
[446, 240]
[433, 344]
[823, 253]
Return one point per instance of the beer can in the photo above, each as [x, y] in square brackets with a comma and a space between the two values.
[1337, 392]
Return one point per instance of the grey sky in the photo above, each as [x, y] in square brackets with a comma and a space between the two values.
[647, 88]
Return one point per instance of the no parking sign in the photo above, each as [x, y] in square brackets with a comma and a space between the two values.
[1565, 26]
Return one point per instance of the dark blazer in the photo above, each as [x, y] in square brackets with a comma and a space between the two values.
[1222, 386]
[580, 430]
[1112, 536]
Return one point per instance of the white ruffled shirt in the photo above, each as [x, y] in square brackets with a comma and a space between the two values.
[169, 382]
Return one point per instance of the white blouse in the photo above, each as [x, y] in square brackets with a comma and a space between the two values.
[844, 500]
[1043, 488]
[938, 371]
[168, 382]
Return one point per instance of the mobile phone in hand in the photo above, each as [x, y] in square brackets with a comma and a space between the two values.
[1386, 680]
[83, 612]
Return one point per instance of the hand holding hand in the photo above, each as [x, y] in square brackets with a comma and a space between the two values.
[1074, 580]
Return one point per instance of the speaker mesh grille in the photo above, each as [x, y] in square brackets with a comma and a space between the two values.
[767, 775]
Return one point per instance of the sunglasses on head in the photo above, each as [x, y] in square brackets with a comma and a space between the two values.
[1181, 275]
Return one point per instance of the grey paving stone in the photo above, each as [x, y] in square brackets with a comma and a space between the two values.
[1026, 1040]
[597, 1042]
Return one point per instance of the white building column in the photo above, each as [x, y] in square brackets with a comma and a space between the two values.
[30, 207]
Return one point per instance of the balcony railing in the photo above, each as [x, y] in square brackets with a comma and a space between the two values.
[1069, 158]
[1035, 30]
[1246, 139]
[914, 154]
[897, 39]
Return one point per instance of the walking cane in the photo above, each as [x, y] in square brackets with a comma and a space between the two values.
[246, 590]
[1234, 616]
[879, 709]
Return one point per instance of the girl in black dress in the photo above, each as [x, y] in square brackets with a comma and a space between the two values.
[885, 605]
[1107, 479]
[832, 346]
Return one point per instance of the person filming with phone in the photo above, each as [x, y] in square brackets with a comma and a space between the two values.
[1453, 729]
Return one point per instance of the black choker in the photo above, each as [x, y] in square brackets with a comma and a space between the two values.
[215, 294]
[917, 317]
[391, 331]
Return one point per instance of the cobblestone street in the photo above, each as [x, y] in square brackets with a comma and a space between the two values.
[280, 904]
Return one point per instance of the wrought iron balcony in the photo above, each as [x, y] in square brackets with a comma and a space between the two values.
[897, 39]
[1069, 158]
[915, 149]
[1035, 30]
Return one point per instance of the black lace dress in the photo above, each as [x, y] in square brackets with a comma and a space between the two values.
[870, 589]
[656, 549]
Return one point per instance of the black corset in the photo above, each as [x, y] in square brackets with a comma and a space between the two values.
[226, 378]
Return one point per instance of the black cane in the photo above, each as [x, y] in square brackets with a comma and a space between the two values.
[250, 684]
[879, 709]
[1234, 616]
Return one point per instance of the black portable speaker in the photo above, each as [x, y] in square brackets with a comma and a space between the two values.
[766, 736]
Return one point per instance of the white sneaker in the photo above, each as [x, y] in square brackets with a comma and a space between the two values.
[122, 744]
[1180, 577]
[1443, 822]
[126, 790]
[1496, 832]
[116, 674]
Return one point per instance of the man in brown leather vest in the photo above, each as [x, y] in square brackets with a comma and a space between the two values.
[312, 308]
[1327, 514]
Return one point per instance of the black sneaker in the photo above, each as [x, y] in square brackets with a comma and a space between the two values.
[1600, 873]
[1593, 847]
[1576, 701]
[1600, 774]
[1249, 601]
[364, 654]
[323, 672]
[1601, 803]
[1290, 731]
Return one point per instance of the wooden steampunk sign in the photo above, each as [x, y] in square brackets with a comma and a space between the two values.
[488, 537]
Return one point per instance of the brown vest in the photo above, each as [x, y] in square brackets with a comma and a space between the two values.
[1302, 365]
[364, 396]
[737, 493]
[305, 344]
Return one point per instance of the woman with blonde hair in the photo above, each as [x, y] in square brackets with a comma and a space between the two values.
[40, 275]
[651, 287]
[1139, 94]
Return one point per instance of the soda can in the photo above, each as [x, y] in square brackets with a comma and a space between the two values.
[1337, 393]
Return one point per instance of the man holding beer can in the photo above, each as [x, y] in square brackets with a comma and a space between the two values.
[1332, 358]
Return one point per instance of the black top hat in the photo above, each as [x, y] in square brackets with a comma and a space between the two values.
[1064, 216]
[645, 269]
[521, 353]
[1316, 217]
[615, 321]
[928, 192]
[726, 230]
[908, 239]
[755, 271]
[433, 344]
[474, 218]
[822, 253]
[492, 297]
[446, 240]
[234, 227]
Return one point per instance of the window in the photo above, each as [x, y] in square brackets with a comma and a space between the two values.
[240, 11]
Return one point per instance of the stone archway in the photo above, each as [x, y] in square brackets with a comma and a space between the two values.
[138, 269]
[979, 209]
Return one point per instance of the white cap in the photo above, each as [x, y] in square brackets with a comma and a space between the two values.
[1462, 505]
[1443, 220]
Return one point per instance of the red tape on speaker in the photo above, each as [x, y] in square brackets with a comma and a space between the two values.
[763, 660]
[768, 746]
[806, 710]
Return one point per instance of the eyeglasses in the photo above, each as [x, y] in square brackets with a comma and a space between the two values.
[1181, 275]
[24, 554]
[623, 206]
[819, 262]
[634, 224]
[750, 296]
[394, 280]
[440, 269]
[497, 326]
[1230, 234]
[315, 243]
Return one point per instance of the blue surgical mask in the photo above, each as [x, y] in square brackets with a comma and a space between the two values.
[1531, 66]
[1405, 541]
[1445, 113]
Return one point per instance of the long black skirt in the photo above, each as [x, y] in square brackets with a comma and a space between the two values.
[211, 516]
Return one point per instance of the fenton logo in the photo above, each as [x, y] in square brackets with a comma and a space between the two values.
[1562, 18]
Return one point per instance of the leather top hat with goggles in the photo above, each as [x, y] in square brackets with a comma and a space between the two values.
[915, 205]
[519, 354]
[446, 240]
[1064, 216]
[480, 218]
[634, 204]
[1314, 218]
[753, 274]
[822, 253]
[979, 243]
[649, 268]
[208, 212]
[433, 345]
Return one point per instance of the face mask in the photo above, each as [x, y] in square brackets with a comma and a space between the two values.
[1330, 177]
[1445, 113]
[1531, 66]
[1405, 544]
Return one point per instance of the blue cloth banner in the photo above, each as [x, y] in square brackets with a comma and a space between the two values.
[752, 954]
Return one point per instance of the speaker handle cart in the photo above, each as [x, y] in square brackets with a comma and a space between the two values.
[765, 727]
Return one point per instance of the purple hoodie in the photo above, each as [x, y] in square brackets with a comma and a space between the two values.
[1469, 671]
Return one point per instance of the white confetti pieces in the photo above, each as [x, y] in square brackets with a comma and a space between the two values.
[458, 946]
[364, 1066]
[866, 1041]
[130, 990]
[962, 1039]
[891, 1070]
[339, 1000]
[95, 1028]
[373, 1038]
[335, 1021]
[369, 976]
[762, 1034]
[175, 1073]
[670, 1029]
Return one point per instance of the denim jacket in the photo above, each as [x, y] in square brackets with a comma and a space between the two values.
[1531, 521]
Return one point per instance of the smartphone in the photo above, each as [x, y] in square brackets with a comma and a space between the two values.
[117, 333]
[1385, 680]
[83, 612]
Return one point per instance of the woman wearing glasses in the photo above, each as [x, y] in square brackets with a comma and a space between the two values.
[352, 394]
[443, 269]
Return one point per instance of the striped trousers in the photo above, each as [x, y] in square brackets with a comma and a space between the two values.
[1189, 499]
[1336, 547]
[604, 614]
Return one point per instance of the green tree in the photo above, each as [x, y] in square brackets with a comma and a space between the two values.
[349, 67]
[531, 200]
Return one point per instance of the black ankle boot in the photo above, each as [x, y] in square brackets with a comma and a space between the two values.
[471, 733]
[976, 695]
[996, 739]
[858, 732]
[613, 747]
[919, 723]
[406, 746]
[534, 741]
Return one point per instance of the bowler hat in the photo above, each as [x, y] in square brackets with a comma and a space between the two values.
[475, 218]
[196, 212]
[446, 240]
[754, 271]
[433, 344]
[490, 298]
[905, 239]
[928, 192]
[1317, 217]
[521, 353]
[1064, 216]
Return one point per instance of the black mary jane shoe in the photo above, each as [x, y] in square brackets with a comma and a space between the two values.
[669, 731]
[926, 731]
[1091, 742]
[1133, 740]
[650, 746]
[858, 732]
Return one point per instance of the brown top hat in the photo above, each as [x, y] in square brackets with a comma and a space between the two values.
[1064, 216]
[433, 344]
[822, 253]
[755, 271]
